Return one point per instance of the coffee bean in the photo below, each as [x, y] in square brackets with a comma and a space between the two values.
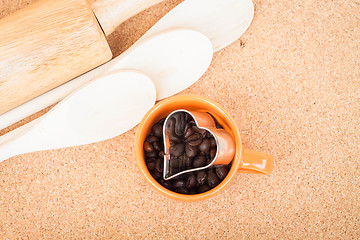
[179, 184]
[203, 188]
[152, 139]
[221, 172]
[174, 162]
[201, 177]
[194, 140]
[188, 162]
[151, 154]
[212, 179]
[157, 146]
[212, 142]
[150, 159]
[182, 190]
[208, 160]
[187, 127]
[157, 130]
[204, 146]
[148, 147]
[159, 166]
[157, 175]
[179, 124]
[199, 130]
[166, 184]
[161, 154]
[189, 132]
[161, 121]
[199, 161]
[170, 130]
[188, 117]
[191, 151]
[177, 150]
[191, 181]
[212, 153]
[150, 165]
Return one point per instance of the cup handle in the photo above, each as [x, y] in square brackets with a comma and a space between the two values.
[256, 162]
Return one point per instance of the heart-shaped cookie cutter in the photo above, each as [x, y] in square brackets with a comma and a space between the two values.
[224, 142]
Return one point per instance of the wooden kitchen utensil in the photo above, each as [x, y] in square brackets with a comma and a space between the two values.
[100, 110]
[50, 42]
[222, 21]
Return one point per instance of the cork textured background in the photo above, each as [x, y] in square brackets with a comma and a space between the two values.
[292, 84]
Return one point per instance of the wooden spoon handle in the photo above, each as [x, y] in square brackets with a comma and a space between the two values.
[111, 13]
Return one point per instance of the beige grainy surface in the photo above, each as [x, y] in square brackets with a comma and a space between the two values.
[292, 84]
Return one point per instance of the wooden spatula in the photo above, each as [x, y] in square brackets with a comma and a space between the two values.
[50, 42]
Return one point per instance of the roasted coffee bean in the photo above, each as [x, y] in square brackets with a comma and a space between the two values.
[161, 154]
[208, 160]
[152, 139]
[191, 181]
[203, 188]
[199, 130]
[189, 132]
[166, 184]
[161, 121]
[212, 153]
[188, 162]
[170, 130]
[150, 165]
[212, 179]
[157, 146]
[157, 175]
[148, 147]
[182, 190]
[151, 154]
[174, 162]
[177, 150]
[204, 146]
[212, 142]
[188, 117]
[199, 161]
[201, 177]
[194, 140]
[193, 137]
[157, 130]
[159, 166]
[187, 127]
[150, 159]
[179, 184]
[179, 124]
[221, 172]
[191, 151]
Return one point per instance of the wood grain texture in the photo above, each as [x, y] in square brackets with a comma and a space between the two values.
[111, 13]
[46, 44]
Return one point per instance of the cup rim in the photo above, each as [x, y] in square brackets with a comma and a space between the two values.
[237, 161]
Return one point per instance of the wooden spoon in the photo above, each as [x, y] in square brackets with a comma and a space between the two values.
[173, 60]
[100, 110]
[222, 21]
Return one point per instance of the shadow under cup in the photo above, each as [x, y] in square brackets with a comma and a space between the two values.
[163, 109]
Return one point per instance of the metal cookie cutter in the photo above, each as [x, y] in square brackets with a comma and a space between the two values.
[203, 120]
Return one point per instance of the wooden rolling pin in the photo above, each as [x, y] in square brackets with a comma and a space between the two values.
[50, 42]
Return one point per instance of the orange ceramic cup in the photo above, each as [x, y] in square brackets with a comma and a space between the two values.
[245, 161]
